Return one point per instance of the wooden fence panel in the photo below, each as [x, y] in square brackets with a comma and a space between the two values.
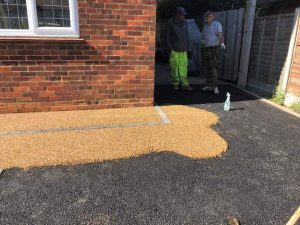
[270, 43]
[232, 24]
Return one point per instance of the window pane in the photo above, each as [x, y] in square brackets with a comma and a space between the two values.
[22, 10]
[53, 13]
[65, 2]
[13, 11]
[67, 23]
[10, 1]
[13, 14]
[48, 13]
[4, 23]
[14, 23]
[24, 23]
[66, 13]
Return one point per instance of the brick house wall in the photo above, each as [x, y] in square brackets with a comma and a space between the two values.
[294, 77]
[110, 65]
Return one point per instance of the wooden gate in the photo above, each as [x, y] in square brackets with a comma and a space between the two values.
[232, 24]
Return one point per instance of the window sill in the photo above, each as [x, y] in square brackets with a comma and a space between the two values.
[42, 39]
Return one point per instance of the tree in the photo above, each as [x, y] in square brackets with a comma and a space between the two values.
[166, 8]
[196, 8]
[269, 7]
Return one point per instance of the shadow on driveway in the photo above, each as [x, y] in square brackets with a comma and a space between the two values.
[165, 95]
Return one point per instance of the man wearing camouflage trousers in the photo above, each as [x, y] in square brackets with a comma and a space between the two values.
[213, 42]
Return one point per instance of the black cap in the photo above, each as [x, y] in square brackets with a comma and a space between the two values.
[181, 11]
[207, 13]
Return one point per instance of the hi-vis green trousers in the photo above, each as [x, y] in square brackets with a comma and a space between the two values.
[179, 68]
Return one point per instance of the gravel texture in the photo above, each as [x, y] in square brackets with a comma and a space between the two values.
[188, 134]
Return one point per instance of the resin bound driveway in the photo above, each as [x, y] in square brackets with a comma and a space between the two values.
[256, 180]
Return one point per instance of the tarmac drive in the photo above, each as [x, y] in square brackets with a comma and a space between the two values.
[257, 179]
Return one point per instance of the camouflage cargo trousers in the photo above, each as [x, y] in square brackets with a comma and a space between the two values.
[211, 64]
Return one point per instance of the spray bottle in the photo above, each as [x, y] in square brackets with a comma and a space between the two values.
[227, 102]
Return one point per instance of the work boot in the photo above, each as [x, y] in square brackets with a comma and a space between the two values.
[175, 87]
[207, 88]
[216, 90]
[187, 88]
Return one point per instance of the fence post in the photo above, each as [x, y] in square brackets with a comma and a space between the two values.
[288, 62]
[274, 49]
[260, 47]
[246, 43]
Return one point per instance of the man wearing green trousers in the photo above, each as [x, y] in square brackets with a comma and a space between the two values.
[178, 44]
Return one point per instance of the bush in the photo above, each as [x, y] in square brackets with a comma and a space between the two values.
[296, 107]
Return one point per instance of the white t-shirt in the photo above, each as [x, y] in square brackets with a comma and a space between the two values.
[210, 33]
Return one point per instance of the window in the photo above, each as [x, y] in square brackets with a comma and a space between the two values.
[56, 18]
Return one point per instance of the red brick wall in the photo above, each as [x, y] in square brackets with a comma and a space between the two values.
[294, 80]
[113, 66]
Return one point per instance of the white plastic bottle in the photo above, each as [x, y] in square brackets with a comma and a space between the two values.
[227, 103]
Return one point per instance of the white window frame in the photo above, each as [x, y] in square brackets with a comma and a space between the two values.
[35, 31]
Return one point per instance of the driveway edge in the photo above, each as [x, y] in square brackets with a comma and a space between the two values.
[289, 111]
